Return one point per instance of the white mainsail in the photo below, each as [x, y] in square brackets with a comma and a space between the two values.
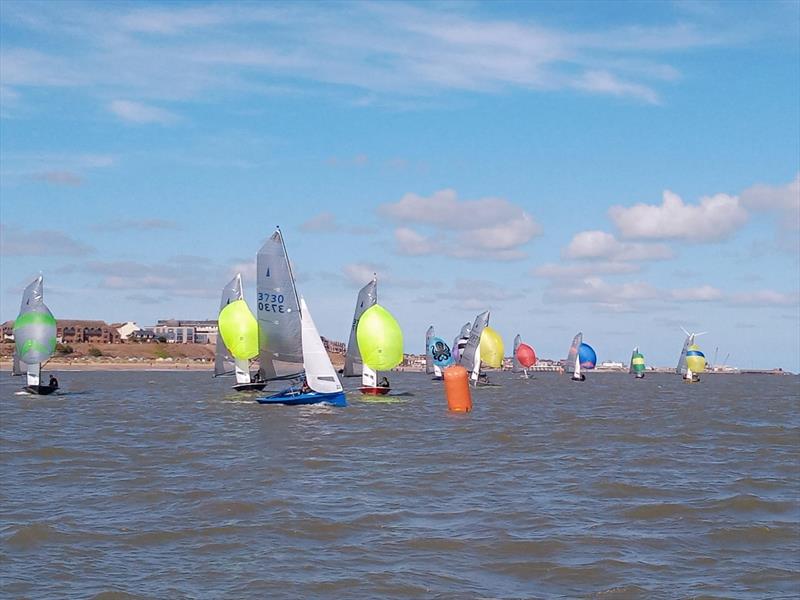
[320, 374]
[471, 355]
[279, 315]
[367, 297]
[682, 368]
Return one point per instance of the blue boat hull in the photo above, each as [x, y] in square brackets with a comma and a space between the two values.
[290, 398]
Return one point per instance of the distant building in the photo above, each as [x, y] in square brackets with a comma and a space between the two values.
[334, 347]
[180, 331]
[126, 329]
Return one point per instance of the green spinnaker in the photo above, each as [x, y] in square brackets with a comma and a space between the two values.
[380, 339]
[239, 330]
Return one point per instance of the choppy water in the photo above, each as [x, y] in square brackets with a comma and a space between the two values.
[167, 485]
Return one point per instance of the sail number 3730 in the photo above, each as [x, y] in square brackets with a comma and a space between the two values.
[271, 302]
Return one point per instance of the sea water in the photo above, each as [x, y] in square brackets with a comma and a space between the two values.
[170, 485]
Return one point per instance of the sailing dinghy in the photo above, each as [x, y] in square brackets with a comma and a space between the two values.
[34, 337]
[637, 364]
[237, 342]
[523, 359]
[484, 345]
[581, 357]
[692, 360]
[438, 355]
[461, 341]
[290, 347]
[380, 343]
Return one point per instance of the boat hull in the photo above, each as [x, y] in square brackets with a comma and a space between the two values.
[250, 387]
[374, 391]
[41, 390]
[300, 398]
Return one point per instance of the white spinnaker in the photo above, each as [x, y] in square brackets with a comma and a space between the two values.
[320, 374]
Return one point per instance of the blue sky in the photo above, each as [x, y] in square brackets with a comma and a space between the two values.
[616, 168]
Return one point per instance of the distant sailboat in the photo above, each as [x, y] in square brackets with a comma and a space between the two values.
[692, 361]
[380, 343]
[461, 341]
[581, 357]
[237, 341]
[484, 345]
[367, 297]
[34, 337]
[524, 357]
[290, 347]
[437, 354]
[637, 364]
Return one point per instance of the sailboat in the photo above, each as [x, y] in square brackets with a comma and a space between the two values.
[581, 357]
[637, 364]
[524, 357]
[380, 343]
[438, 355]
[367, 297]
[34, 337]
[484, 345]
[289, 345]
[237, 342]
[692, 361]
[461, 341]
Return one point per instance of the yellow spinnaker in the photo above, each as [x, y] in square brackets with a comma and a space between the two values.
[239, 330]
[380, 339]
[491, 348]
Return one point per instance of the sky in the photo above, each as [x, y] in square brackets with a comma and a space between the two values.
[622, 169]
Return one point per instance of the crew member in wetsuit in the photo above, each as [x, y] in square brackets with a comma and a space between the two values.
[53, 382]
[384, 383]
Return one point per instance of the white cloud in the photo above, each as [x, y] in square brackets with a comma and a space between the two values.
[66, 178]
[765, 298]
[44, 242]
[703, 293]
[594, 290]
[783, 199]
[487, 228]
[326, 222]
[714, 218]
[382, 51]
[603, 245]
[585, 269]
[359, 274]
[136, 112]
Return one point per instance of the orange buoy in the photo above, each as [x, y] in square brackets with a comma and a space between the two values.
[456, 389]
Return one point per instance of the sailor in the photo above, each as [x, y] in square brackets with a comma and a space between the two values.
[483, 378]
[384, 382]
[53, 382]
[304, 387]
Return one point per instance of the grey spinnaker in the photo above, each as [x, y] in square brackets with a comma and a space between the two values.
[224, 363]
[470, 356]
[572, 355]
[429, 335]
[279, 327]
[516, 365]
[367, 297]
